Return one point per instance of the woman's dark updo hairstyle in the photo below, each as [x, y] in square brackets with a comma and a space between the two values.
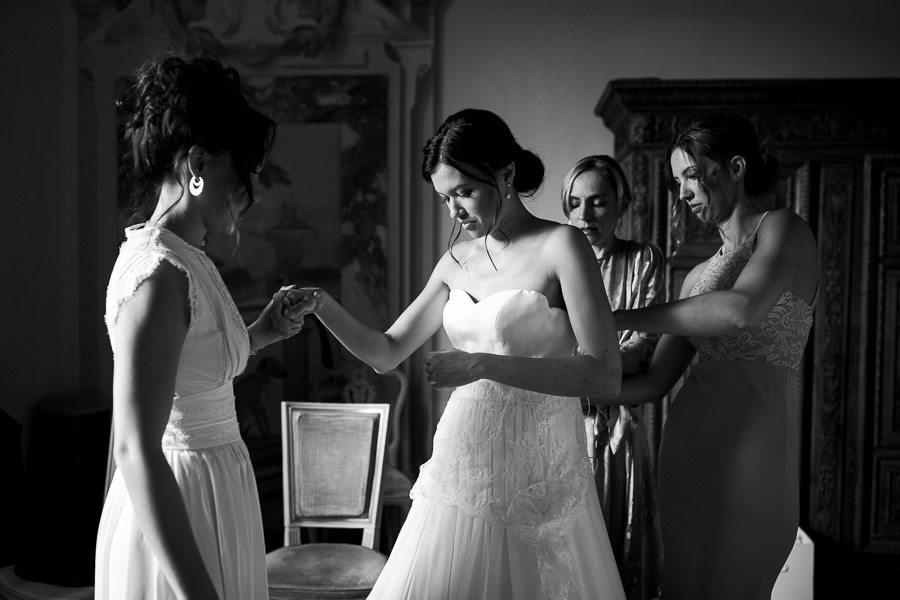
[478, 144]
[720, 138]
[179, 100]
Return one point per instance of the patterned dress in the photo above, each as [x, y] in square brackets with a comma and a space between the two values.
[728, 486]
[634, 277]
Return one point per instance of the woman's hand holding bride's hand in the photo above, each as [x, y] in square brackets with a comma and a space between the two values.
[451, 368]
[299, 302]
[273, 323]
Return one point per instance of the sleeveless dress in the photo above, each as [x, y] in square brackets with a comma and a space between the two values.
[506, 508]
[728, 466]
[201, 443]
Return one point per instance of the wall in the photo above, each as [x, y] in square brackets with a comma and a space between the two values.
[38, 353]
[544, 69]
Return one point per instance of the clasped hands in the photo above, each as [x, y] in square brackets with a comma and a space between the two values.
[282, 317]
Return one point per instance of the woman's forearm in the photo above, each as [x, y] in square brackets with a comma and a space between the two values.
[705, 315]
[574, 376]
[163, 520]
[373, 347]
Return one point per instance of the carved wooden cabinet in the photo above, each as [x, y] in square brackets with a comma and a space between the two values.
[839, 145]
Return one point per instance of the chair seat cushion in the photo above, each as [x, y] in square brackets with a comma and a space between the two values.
[324, 567]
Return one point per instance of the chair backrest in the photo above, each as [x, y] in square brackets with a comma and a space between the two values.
[358, 383]
[333, 457]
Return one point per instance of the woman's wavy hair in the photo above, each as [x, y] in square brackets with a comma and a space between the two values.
[719, 138]
[478, 143]
[180, 99]
[606, 167]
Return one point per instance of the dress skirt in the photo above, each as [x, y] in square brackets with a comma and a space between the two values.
[219, 491]
[442, 554]
[728, 495]
[506, 508]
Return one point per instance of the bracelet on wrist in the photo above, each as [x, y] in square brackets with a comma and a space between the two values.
[318, 296]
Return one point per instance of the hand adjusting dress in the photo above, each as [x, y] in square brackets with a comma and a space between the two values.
[201, 443]
[728, 490]
[506, 507]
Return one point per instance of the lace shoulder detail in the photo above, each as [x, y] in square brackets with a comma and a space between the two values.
[132, 268]
[780, 337]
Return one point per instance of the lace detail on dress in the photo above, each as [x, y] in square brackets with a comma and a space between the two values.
[534, 484]
[780, 337]
[202, 420]
[130, 273]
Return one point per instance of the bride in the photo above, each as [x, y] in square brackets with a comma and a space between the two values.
[506, 507]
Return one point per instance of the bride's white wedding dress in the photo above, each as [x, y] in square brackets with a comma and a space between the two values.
[506, 507]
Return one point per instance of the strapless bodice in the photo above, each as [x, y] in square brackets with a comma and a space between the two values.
[512, 322]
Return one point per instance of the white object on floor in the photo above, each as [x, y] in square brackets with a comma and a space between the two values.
[795, 582]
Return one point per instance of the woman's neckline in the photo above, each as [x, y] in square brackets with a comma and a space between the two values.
[150, 226]
[723, 251]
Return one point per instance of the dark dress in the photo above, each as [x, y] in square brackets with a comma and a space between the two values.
[728, 488]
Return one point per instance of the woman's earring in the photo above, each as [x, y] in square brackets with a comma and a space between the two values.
[196, 183]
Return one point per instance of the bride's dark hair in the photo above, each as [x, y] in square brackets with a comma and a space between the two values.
[478, 143]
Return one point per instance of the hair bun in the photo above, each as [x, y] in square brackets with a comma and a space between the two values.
[529, 172]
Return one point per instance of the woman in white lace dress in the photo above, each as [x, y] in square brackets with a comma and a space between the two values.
[506, 507]
[182, 518]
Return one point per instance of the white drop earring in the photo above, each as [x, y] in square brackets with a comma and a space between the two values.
[196, 183]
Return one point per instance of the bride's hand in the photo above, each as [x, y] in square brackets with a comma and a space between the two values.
[299, 302]
[451, 368]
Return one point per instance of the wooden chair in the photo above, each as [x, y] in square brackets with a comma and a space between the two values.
[333, 454]
[358, 383]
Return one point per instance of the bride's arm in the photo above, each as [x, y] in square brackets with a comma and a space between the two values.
[382, 351]
[596, 371]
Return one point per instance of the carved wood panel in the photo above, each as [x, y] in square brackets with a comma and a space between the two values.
[830, 348]
[881, 530]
